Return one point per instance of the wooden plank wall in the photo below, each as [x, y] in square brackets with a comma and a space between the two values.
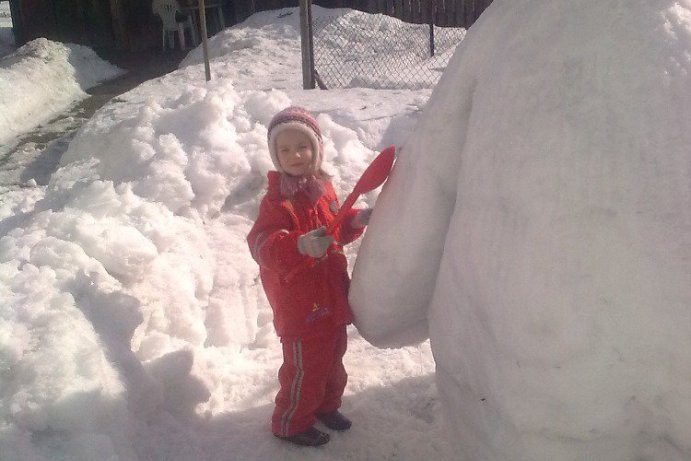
[86, 22]
[451, 13]
[456, 13]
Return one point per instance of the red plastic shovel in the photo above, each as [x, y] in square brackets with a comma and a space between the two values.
[373, 177]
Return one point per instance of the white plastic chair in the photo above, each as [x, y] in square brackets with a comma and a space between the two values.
[166, 10]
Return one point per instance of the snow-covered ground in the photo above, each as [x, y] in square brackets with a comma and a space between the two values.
[133, 325]
[536, 225]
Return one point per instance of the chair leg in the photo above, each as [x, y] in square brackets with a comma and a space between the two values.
[193, 31]
[219, 17]
[181, 36]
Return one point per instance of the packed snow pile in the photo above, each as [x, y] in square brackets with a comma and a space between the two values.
[41, 68]
[542, 216]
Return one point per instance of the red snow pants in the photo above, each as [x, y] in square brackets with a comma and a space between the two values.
[312, 380]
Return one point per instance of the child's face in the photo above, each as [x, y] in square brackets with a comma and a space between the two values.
[294, 150]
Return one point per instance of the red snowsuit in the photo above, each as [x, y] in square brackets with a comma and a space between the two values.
[309, 299]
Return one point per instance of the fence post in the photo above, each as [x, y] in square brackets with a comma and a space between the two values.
[306, 44]
[433, 9]
[205, 47]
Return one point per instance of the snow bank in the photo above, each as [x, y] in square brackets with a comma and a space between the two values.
[43, 78]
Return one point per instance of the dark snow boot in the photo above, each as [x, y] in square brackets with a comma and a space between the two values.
[310, 438]
[335, 420]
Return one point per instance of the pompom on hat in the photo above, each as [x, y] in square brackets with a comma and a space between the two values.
[295, 118]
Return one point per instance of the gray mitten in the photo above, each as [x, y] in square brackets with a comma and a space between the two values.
[315, 243]
[362, 218]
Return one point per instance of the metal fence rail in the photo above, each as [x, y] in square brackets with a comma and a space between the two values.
[386, 54]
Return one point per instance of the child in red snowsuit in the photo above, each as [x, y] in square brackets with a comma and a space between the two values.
[303, 271]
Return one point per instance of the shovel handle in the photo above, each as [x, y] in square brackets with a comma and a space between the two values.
[347, 205]
[373, 177]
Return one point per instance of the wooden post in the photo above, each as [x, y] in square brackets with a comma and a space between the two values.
[205, 47]
[306, 44]
[432, 14]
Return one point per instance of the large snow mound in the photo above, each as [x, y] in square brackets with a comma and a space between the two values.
[543, 234]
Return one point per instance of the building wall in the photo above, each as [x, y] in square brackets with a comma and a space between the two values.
[100, 24]
[131, 25]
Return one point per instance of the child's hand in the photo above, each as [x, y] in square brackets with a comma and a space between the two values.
[315, 243]
[362, 218]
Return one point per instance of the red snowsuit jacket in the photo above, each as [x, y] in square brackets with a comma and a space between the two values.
[307, 296]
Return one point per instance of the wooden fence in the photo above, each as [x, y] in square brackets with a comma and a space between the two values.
[451, 13]
[130, 24]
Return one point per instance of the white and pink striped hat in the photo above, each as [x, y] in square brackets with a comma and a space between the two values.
[296, 118]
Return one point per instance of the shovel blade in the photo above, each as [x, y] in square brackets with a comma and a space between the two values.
[377, 171]
[373, 177]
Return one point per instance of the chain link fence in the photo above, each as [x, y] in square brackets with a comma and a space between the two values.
[384, 53]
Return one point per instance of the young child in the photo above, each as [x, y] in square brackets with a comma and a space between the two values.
[303, 271]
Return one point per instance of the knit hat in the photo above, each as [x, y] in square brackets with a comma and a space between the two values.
[296, 118]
